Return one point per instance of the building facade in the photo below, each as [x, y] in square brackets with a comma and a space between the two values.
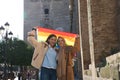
[53, 14]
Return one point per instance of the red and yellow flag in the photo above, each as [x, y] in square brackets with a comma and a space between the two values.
[43, 33]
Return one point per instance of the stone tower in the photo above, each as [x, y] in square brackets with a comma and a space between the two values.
[52, 14]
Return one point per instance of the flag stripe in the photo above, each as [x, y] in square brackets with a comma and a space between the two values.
[56, 32]
[43, 33]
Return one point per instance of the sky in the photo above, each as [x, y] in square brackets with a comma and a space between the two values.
[11, 11]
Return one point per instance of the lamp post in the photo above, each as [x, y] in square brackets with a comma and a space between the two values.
[5, 33]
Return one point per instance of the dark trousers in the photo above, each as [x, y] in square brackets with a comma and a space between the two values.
[48, 74]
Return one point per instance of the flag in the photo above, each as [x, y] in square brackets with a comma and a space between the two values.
[43, 33]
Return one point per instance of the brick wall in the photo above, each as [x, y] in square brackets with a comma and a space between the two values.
[105, 29]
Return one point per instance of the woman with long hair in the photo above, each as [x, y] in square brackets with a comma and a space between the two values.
[65, 59]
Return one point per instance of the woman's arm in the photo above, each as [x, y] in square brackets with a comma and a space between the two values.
[31, 38]
[77, 44]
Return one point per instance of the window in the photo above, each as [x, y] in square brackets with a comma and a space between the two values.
[46, 11]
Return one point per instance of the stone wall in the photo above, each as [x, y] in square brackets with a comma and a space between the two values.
[105, 29]
[110, 71]
[118, 17]
[58, 17]
[32, 17]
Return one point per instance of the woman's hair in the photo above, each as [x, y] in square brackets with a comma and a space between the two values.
[50, 36]
[62, 39]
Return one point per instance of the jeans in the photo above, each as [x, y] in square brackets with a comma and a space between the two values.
[48, 74]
